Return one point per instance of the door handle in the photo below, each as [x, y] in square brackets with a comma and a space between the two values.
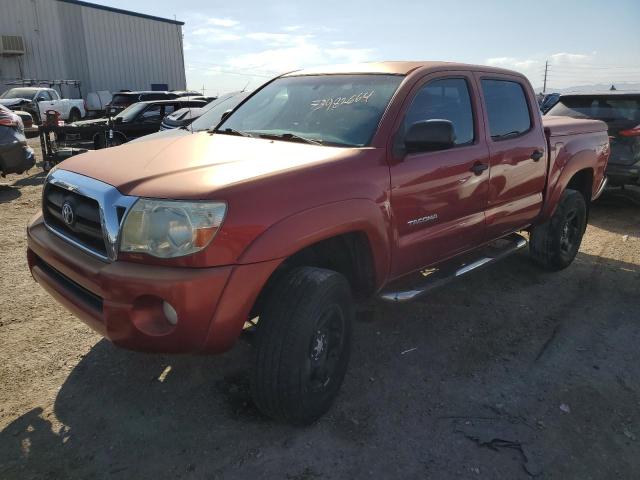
[536, 155]
[478, 168]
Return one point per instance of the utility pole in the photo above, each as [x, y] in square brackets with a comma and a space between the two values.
[546, 70]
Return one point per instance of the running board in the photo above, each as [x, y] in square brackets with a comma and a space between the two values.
[416, 285]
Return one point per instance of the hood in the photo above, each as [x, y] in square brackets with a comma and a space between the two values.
[11, 102]
[171, 133]
[194, 166]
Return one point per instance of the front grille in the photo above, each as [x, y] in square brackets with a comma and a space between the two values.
[86, 227]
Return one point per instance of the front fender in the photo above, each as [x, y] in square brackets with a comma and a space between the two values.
[305, 228]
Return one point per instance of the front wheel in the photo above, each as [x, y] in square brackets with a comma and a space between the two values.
[302, 345]
[555, 243]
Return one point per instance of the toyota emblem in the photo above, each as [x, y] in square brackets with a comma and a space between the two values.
[67, 213]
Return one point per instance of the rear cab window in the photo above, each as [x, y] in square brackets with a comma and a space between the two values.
[507, 108]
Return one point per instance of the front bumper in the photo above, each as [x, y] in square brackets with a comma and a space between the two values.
[123, 301]
[623, 174]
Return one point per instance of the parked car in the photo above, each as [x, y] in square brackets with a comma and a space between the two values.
[37, 101]
[123, 99]
[325, 185]
[27, 119]
[548, 101]
[621, 112]
[212, 113]
[135, 121]
[15, 155]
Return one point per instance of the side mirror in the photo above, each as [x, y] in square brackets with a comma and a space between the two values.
[225, 115]
[429, 135]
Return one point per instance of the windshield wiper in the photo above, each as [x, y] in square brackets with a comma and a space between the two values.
[233, 131]
[290, 137]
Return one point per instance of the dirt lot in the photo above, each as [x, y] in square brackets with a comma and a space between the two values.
[509, 373]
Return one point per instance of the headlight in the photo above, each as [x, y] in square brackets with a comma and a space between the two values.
[170, 228]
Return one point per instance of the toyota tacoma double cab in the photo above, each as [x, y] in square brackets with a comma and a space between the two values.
[323, 187]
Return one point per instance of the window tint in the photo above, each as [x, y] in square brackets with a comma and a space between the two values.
[44, 96]
[169, 109]
[507, 108]
[446, 99]
[151, 114]
[602, 107]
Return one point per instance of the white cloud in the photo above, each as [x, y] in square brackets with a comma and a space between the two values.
[568, 58]
[222, 22]
[300, 54]
[215, 35]
[513, 63]
[292, 28]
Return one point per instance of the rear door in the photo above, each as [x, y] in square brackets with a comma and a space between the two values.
[438, 202]
[517, 148]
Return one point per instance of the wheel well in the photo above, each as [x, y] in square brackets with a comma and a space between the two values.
[582, 181]
[349, 254]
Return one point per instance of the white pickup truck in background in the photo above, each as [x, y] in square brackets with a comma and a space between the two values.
[37, 101]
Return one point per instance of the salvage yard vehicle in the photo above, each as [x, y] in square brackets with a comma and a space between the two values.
[324, 187]
[37, 101]
[15, 155]
[139, 119]
[210, 113]
[621, 112]
[123, 99]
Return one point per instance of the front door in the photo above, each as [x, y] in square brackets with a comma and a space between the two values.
[438, 198]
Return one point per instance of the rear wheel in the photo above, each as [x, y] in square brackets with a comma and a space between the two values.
[302, 345]
[555, 243]
[74, 116]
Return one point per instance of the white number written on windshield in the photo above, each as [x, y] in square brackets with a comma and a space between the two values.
[333, 103]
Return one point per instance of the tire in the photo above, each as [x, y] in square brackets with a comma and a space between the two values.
[302, 345]
[555, 243]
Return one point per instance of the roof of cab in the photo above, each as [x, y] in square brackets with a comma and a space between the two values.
[394, 68]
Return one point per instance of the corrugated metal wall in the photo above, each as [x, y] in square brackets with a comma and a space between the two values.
[104, 50]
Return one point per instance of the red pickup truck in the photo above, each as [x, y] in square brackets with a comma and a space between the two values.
[321, 188]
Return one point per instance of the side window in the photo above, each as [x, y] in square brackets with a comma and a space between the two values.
[151, 114]
[446, 99]
[54, 95]
[507, 108]
[168, 109]
[44, 96]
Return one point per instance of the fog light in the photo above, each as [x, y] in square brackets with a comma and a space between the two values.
[170, 313]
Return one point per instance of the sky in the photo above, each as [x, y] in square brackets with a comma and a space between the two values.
[231, 45]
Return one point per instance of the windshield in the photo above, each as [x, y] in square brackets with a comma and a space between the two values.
[211, 117]
[131, 112]
[19, 93]
[339, 110]
[609, 108]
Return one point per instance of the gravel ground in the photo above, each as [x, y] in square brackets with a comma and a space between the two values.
[510, 373]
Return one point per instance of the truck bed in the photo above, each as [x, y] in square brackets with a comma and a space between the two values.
[560, 126]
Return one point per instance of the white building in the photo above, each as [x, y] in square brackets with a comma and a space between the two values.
[104, 48]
